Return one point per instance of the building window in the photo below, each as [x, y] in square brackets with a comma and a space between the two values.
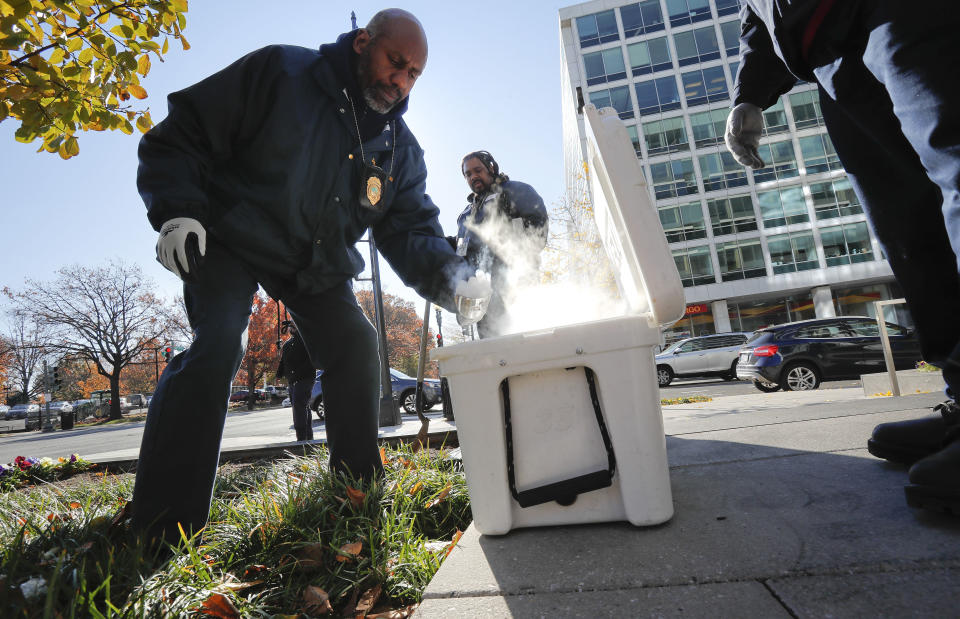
[687, 11]
[649, 56]
[665, 136]
[781, 207]
[806, 109]
[846, 244]
[673, 178]
[741, 259]
[708, 127]
[634, 138]
[730, 31]
[732, 215]
[734, 66]
[641, 18]
[721, 171]
[659, 95]
[696, 46]
[605, 66]
[694, 266]
[728, 7]
[792, 252]
[818, 154]
[683, 222]
[618, 98]
[597, 28]
[780, 159]
[834, 199]
[704, 86]
[775, 119]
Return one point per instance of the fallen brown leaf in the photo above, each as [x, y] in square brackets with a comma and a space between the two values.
[310, 556]
[317, 601]
[416, 487]
[368, 599]
[383, 456]
[74, 505]
[443, 494]
[348, 552]
[219, 605]
[356, 496]
[456, 538]
[253, 571]
[397, 613]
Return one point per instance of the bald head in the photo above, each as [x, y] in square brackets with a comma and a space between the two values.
[396, 23]
[392, 53]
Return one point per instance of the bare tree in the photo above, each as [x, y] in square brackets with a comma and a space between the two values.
[25, 346]
[106, 315]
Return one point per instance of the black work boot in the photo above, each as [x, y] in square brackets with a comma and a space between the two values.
[906, 442]
[935, 480]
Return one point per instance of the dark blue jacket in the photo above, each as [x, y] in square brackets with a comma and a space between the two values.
[513, 199]
[771, 33]
[265, 155]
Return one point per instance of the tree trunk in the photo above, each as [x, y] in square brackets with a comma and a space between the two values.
[115, 411]
[251, 390]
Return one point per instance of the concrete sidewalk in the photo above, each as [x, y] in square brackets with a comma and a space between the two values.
[779, 512]
[260, 445]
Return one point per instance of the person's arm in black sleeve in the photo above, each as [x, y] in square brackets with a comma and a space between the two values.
[412, 241]
[203, 124]
[762, 76]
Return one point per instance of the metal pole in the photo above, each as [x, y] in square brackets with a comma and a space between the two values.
[885, 341]
[389, 412]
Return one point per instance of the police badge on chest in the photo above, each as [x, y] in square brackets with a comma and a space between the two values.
[372, 181]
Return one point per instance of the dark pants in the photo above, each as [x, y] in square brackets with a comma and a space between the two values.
[892, 107]
[300, 401]
[181, 440]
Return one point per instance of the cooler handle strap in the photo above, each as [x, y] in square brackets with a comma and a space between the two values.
[563, 492]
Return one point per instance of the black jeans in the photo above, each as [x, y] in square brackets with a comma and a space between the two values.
[180, 448]
[891, 106]
[300, 402]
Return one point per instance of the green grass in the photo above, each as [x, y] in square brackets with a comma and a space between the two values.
[282, 535]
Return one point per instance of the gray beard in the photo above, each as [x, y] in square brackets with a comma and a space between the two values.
[372, 102]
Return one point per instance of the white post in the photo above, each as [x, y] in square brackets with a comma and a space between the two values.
[885, 340]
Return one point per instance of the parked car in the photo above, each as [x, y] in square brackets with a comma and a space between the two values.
[706, 355]
[404, 392]
[20, 411]
[4, 409]
[798, 356]
[136, 400]
[243, 394]
[275, 392]
[40, 416]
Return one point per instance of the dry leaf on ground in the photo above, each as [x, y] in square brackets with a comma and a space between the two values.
[220, 606]
[316, 601]
[356, 496]
[368, 599]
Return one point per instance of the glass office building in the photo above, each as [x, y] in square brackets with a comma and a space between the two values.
[753, 247]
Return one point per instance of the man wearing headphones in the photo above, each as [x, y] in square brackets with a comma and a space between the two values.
[501, 232]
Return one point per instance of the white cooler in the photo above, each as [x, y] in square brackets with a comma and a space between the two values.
[563, 425]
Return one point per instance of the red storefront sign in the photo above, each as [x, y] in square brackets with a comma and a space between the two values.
[697, 308]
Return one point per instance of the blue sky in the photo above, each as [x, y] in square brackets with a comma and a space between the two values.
[492, 82]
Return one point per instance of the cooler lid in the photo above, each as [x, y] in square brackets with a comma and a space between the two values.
[628, 222]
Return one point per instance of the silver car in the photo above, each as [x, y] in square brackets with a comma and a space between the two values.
[707, 355]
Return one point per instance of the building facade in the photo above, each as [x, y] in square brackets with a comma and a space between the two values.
[753, 247]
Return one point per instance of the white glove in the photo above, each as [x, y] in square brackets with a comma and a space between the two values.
[744, 125]
[181, 247]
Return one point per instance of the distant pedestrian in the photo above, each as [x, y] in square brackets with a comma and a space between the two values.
[296, 367]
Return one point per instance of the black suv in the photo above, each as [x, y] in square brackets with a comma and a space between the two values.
[798, 356]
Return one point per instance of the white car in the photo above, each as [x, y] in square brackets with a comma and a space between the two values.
[707, 355]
